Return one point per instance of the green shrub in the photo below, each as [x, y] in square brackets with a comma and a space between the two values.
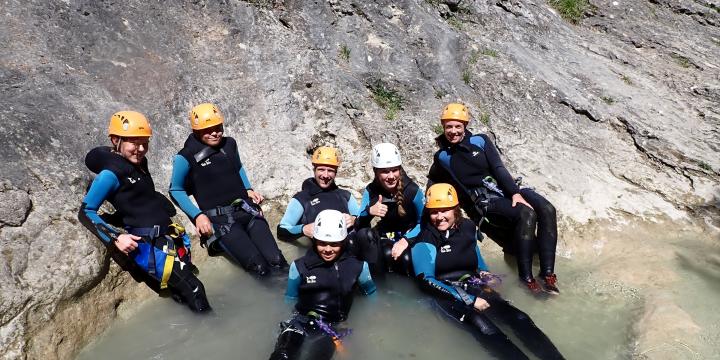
[490, 52]
[705, 166]
[438, 129]
[626, 79]
[607, 99]
[467, 76]
[681, 60]
[344, 52]
[387, 98]
[571, 10]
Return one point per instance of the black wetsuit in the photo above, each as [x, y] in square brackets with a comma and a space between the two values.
[391, 227]
[308, 203]
[448, 265]
[324, 294]
[142, 212]
[485, 188]
[216, 179]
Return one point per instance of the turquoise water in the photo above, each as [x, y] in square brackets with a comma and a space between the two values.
[586, 322]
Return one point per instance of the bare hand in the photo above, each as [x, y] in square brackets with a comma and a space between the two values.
[517, 198]
[255, 197]
[398, 248]
[203, 225]
[379, 209]
[127, 243]
[349, 220]
[480, 304]
[308, 229]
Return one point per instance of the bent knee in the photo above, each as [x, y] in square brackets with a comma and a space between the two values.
[527, 216]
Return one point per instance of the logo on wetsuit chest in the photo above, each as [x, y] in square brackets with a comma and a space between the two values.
[133, 180]
[205, 163]
[445, 248]
[475, 153]
[310, 279]
[314, 201]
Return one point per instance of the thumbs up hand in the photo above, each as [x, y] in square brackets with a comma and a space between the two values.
[379, 209]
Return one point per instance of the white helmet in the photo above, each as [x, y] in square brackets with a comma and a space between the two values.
[385, 155]
[330, 226]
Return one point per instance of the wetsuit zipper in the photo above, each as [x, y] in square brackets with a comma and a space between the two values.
[340, 297]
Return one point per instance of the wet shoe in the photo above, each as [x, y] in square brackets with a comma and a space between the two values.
[551, 284]
[533, 286]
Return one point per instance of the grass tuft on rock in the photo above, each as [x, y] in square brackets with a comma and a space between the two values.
[607, 99]
[344, 52]
[570, 10]
[387, 98]
[705, 166]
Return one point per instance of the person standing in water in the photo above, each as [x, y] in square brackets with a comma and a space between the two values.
[398, 201]
[322, 283]
[229, 219]
[491, 197]
[448, 264]
[152, 244]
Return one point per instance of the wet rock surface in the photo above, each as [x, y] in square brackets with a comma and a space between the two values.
[614, 118]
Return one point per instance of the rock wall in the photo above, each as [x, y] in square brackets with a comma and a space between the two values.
[614, 118]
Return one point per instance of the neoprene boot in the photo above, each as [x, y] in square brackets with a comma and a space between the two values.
[288, 345]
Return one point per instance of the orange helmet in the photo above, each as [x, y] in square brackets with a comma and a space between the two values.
[440, 196]
[326, 155]
[129, 124]
[204, 116]
[455, 111]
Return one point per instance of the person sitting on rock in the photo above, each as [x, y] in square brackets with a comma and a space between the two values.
[152, 244]
[318, 193]
[493, 200]
[229, 217]
[322, 283]
[448, 264]
[398, 201]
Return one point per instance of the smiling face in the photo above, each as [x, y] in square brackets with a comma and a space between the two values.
[131, 148]
[328, 251]
[454, 131]
[324, 175]
[443, 219]
[388, 178]
[210, 136]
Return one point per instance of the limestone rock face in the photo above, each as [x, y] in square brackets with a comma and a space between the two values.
[614, 118]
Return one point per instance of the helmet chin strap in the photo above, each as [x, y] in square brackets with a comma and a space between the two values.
[117, 146]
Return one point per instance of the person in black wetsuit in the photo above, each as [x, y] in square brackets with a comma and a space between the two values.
[318, 193]
[153, 248]
[323, 283]
[398, 202]
[209, 168]
[448, 264]
[507, 213]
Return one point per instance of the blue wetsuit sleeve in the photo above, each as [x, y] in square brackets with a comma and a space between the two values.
[104, 184]
[365, 203]
[419, 203]
[180, 171]
[423, 258]
[293, 286]
[365, 218]
[481, 262]
[289, 227]
[367, 285]
[245, 180]
[353, 206]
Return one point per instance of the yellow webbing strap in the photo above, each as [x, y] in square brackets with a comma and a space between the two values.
[169, 262]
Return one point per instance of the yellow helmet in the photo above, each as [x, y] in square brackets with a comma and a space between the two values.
[204, 116]
[326, 155]
[440, 196]
[455, 111]
[129, 124]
